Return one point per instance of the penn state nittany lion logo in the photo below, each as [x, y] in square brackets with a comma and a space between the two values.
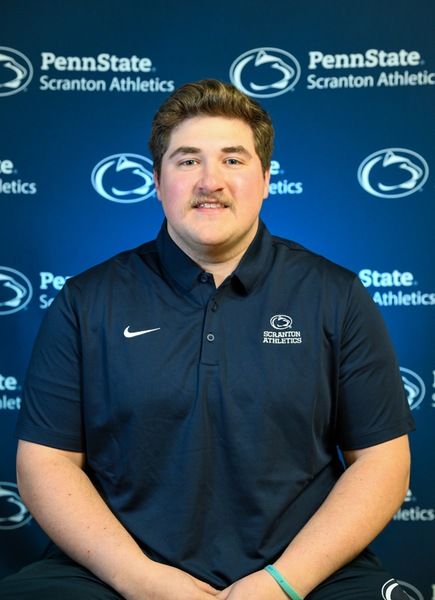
[16, 71]
[124, 178]
[265, 72]
[400, 590]
[393, 173]
[414, 387]
[13, 513]
[281, 322]
[15, 291]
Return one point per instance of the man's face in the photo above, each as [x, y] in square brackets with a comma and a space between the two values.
[212, 186]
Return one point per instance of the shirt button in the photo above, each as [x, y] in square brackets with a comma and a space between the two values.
[204, 278]
[214, 306]
[210, 337]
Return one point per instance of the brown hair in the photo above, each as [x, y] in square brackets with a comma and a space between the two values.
[214, 98]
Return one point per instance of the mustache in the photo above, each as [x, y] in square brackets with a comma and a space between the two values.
[205, 196]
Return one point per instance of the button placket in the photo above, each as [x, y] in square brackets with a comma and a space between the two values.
[209, 353]
[204, 277]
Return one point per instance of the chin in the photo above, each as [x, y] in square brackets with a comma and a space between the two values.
[211, 240]
[211, 235]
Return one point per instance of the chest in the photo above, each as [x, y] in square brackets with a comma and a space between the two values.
[159, 357]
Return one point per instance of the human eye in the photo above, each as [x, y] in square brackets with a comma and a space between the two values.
[188, 162]
[233, 161]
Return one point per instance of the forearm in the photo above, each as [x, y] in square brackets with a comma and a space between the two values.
[360, 505]
[66, 504]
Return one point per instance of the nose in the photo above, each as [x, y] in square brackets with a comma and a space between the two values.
[211, 179]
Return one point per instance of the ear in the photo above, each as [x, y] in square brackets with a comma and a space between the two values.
[266, 183]
[157, 185]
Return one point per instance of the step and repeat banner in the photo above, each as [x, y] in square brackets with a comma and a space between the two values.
[351, 90]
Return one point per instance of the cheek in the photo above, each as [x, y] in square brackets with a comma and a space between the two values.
[177, 188]
[175, 197]
[256, 191]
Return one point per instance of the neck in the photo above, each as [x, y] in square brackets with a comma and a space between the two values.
[218, 260]
[219, 269]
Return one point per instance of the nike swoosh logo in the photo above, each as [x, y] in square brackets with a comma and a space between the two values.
[130, 334]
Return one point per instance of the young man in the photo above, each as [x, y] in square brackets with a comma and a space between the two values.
[185, 400]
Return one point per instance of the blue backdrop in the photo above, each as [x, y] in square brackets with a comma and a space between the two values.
[350, 87]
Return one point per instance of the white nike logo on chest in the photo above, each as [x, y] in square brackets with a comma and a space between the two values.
[130, 334]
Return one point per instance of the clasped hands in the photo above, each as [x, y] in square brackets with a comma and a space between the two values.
[257, 586]
[169, 583]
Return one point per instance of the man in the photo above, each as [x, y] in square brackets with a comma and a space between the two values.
[185, 400]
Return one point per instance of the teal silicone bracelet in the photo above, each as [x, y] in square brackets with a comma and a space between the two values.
[291, 593]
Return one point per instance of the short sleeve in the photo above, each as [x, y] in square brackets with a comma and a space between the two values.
[372, 404]
[51, 409]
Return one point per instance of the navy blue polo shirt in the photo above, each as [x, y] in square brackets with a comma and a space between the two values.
[210, 418]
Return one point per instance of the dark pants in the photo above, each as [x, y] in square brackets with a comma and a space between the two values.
[55, 578]
[59, 578]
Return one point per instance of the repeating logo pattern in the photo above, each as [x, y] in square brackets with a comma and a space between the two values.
[411, 591]
[414, 387]
[15, 291]
[125, 178]
[13, 513]
[391, 590]
[16, 71]
[393, 173]
[265, 72]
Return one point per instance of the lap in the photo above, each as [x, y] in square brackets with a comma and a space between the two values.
[59, 577]
[362, 579]
[56, 578]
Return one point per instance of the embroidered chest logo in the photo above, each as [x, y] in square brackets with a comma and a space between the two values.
[283, 332]
[130, 334]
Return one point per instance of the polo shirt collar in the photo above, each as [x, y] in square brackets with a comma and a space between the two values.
[253, 267]
[257, 260]
[176, 264]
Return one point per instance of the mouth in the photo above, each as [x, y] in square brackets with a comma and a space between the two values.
[210, 203]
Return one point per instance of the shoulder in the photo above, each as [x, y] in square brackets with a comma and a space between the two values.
[110, 283]
[126, 266]
[312, 266]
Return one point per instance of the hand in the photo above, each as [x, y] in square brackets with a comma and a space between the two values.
[257, 586]
[168, 583]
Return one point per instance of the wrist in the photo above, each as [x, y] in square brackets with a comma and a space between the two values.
[283, 583]
[134, 576]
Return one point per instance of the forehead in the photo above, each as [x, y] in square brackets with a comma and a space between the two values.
[212, 132]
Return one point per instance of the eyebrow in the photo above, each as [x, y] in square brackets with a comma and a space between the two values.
[237, 150]
[185, 150]
[226, 150]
